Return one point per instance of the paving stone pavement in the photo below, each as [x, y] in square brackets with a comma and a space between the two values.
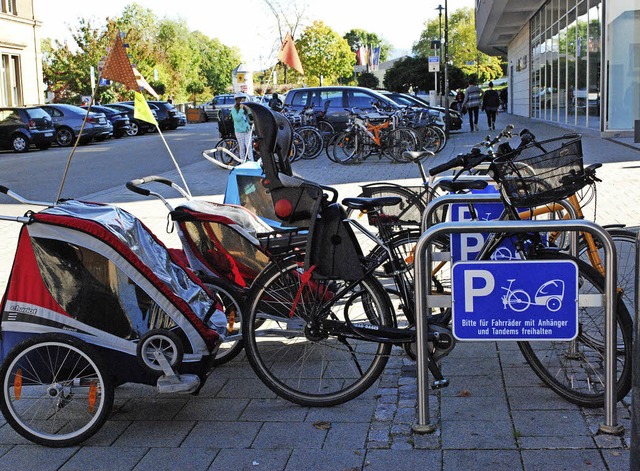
[495, 415]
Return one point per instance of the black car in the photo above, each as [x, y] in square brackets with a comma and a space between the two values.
[334, 103]
[119, 119]
[166, 114]
[22, 127]
[404, 99]
[137, 127]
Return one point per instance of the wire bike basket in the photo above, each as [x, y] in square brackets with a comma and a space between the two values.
[541, 173]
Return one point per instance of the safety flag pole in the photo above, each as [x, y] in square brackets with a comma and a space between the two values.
[142, 111]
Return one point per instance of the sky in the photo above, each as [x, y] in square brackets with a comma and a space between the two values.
[250, 26]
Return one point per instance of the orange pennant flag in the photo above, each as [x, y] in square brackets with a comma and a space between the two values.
[118, 68]
[288, 54]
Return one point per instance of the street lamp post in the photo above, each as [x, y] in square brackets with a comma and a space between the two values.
[446, 69]
[440, 8]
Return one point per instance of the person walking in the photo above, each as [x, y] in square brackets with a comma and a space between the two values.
[242, 125]
[504, 98]
[490, 105]
[275, 103]
[472, 101]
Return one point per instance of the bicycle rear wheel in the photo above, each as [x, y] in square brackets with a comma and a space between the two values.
[55, 390]
[432, 138]
[575, 369]
[345, 148]
[625, 242]
[400, 141]
[297, 341]
[313, 141]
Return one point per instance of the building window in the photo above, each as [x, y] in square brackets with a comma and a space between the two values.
[10, 80]
[9, 6]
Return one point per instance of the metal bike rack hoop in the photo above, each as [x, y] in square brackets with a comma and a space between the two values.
[423, 261]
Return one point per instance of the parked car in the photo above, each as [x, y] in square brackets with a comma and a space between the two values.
[212, 107]
[166, 114]
[137, 127]
[404, 99]
[548, 98]
[119, 119]
[334, 103]
[182, 118]
[68, 119]
[22, 127]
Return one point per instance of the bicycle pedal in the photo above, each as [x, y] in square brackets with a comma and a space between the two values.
[443, 383]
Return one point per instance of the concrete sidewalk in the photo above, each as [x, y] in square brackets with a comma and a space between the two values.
[495, 415]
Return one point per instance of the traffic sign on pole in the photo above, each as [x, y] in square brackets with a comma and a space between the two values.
[434, 64]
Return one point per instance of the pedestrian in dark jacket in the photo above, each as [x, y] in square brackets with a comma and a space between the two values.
[472, 102]
[490, 105]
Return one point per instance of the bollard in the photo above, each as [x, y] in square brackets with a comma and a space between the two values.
[635, 394]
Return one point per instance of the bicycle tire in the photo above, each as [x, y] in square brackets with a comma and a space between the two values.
[233, 305]
[290, 345]
[432, 138]
[224, 154]
[297, 147]
[399, 141]
[56, 390]
[328, 147]
[575, 369]
[345, 148]
[625, 242]
[326, 130]
[313, 142]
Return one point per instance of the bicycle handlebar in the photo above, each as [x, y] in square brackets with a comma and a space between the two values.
[135, 184]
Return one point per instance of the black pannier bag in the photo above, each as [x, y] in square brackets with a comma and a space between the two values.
[332, 247]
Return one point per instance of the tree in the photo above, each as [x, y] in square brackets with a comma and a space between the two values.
[462, 50]
[324, 54]
[367, 79]
[195, 87]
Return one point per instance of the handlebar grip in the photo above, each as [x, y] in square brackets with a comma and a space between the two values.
[4, 189]
[134, 185]
[455, 162]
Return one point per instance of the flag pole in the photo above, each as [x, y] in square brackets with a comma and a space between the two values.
[175, 162]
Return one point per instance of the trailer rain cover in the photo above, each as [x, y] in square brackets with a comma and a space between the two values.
[137, 238]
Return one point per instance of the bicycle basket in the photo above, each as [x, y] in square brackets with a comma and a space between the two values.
[541, 173]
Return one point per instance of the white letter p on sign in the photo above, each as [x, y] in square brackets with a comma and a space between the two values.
[470, 292]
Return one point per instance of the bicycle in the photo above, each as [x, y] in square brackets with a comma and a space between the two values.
[363, 139]
[225, 153]
[319, 330]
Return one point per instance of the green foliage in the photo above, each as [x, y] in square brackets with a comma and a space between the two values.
[165, 48]
[325, 54]
[462, 50]
[367, 79]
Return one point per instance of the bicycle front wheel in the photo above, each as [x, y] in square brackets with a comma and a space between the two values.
[297, 335]
[313, 142]
[345, 147]
[400, 141]
[575, 369]
[55, 390]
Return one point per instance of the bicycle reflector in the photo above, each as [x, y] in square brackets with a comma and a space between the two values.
[17, 384]
[93, 396]
[283, 208]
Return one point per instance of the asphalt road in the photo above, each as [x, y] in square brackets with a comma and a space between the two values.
[95, 167]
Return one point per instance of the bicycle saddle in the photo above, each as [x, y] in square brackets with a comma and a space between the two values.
[367, 204]
[416, 155]
[457, 186]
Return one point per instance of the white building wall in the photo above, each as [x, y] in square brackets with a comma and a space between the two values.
[20, 35]
[519, 60]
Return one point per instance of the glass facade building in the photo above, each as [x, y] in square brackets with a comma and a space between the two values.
[580, 76]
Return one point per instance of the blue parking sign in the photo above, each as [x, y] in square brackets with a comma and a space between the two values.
[515, 300]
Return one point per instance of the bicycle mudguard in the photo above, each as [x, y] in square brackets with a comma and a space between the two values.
[332, 247]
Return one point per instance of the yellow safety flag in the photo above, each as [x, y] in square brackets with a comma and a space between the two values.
[141, 109]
